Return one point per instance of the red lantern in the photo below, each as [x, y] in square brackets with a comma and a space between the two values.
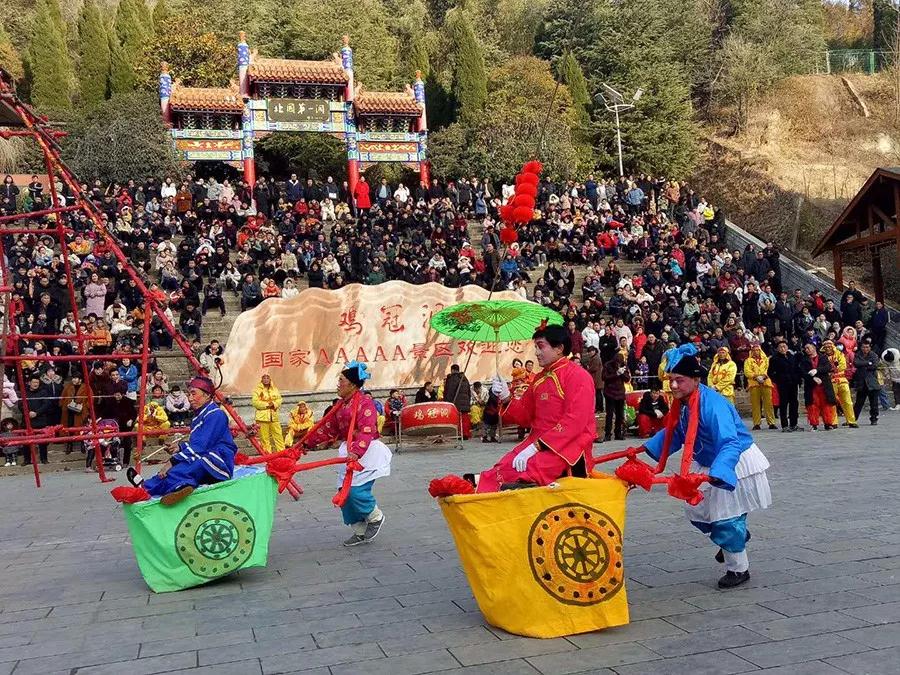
[508, 235]
[522, 214]
[526, 189]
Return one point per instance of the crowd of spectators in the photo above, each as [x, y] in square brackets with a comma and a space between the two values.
[197, 239]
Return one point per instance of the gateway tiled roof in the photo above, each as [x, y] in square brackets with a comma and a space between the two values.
[207, 99]
[386, 103]
[289, 70]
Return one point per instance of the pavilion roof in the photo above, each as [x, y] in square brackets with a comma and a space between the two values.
[386, 103]
[207, 99]
[877, 200]
[292, 70]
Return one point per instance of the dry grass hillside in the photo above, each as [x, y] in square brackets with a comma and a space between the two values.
[807, 149]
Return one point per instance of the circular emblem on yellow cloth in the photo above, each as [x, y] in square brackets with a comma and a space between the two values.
[575, 553]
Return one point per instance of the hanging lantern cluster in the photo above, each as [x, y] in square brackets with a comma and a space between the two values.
[520, 207]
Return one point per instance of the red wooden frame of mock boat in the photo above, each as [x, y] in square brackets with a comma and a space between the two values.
[682, 484]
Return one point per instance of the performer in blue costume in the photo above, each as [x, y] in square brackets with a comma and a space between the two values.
[206, 457]
[724, 450]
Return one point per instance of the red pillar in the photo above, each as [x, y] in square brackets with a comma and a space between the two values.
[250, 172]
[425, 173]
[352, 177]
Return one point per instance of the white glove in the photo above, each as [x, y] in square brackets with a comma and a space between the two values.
[760, 378]
[817, 380]
[658, 413]
[500, 388]
[520, 461]
[813, 372]
[621, 371]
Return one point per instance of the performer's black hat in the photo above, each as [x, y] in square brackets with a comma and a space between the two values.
[556, 336]
[683, 360]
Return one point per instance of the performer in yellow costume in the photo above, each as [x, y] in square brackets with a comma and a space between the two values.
[756, 369]
[839, 382]
[301, 421]
[722, 374]
[267, 400]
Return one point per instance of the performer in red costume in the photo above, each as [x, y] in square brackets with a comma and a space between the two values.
[558, 408]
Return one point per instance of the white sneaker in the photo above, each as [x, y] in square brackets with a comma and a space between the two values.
[896, 407]
[8, 463]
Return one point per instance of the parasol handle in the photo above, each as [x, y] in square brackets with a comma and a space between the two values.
[497, 351]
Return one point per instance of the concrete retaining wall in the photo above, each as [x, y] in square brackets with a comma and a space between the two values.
[795, 273]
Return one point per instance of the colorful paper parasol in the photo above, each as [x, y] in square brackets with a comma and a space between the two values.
[493, 320]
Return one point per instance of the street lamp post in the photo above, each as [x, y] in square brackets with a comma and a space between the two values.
[616, 103]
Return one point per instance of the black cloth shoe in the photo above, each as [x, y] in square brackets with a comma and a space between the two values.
[874, 423]
[134, 477]
[732, 579]
[853, 426]
[755, 427]
[470, 477]
[772, 426]
[518, 485]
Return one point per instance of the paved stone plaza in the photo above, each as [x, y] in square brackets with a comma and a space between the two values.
[824, 597]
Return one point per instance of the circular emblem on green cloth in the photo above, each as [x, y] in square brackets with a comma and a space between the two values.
[215, 539]
[575, 553]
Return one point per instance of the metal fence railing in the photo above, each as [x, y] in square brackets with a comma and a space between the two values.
[867, 61]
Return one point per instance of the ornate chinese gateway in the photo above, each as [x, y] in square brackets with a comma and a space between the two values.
[215, 124]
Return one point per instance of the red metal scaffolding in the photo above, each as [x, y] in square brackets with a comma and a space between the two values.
[18, 120]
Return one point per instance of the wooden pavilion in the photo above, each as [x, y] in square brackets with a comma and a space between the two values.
[870, 223]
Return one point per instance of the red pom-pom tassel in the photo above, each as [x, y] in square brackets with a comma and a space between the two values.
[527, 179]
[126, 494]
[450, 485]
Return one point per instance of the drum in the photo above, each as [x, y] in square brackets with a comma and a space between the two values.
[430, 419]
[633, 398]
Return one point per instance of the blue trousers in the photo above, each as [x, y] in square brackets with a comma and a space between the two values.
[730, 534]
[360, 503]
[180, 475]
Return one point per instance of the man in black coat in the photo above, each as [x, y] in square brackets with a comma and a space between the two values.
[458, 392]
[784, 371]
[865, 381]
[41, 411]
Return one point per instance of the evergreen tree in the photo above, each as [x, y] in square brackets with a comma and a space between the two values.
[569, 73]
[9, 56]
[122, 78]
[315, 30]
[884, 25]
[94, 56]
[133, 30]
[469, 78]
[123, 139]
[51, 67]
[160, 13]
[659, 134]
[417, 57]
